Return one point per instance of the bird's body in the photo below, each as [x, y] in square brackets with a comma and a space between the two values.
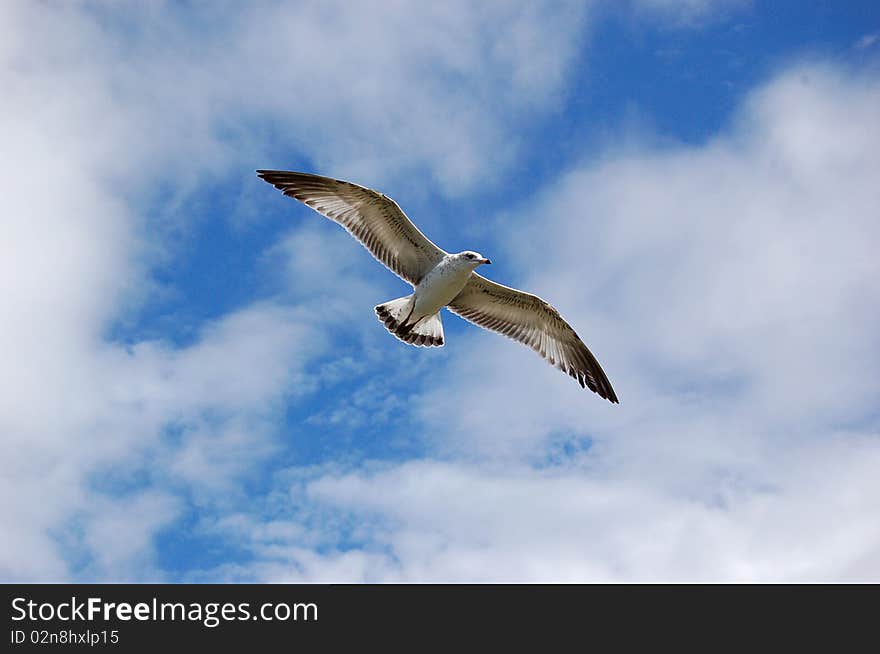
[442, 284]
[440, 279]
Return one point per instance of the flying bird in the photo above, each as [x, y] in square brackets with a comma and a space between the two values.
[440, 279]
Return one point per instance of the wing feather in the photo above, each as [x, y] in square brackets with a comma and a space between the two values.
[532, 321]
[371, 217]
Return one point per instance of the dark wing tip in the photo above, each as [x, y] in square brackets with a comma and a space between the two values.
[601, 386]
[274, 177]
[605, 391]
[285, 179]
[289, 182]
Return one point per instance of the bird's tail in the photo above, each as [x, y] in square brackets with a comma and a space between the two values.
[397, 316]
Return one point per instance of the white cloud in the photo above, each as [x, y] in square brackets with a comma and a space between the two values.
[365, 90]
[867, 41]
[195, 421]
[430, 521]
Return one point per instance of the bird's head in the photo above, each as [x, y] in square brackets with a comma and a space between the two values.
[474, 258]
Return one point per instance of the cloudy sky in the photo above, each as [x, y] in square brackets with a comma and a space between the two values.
[194, 385]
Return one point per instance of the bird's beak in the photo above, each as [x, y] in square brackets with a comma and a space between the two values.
[485, 261]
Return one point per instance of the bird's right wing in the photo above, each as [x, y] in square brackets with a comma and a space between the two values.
[530, 320]
[371, 217]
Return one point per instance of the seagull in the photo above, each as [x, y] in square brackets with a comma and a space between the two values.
[440, 279]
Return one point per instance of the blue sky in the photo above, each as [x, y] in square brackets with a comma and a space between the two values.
[197, 388]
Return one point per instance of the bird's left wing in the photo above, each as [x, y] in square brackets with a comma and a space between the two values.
[371, 217]
[532, 321]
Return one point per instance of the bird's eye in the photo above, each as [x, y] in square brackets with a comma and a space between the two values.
[470, 256]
